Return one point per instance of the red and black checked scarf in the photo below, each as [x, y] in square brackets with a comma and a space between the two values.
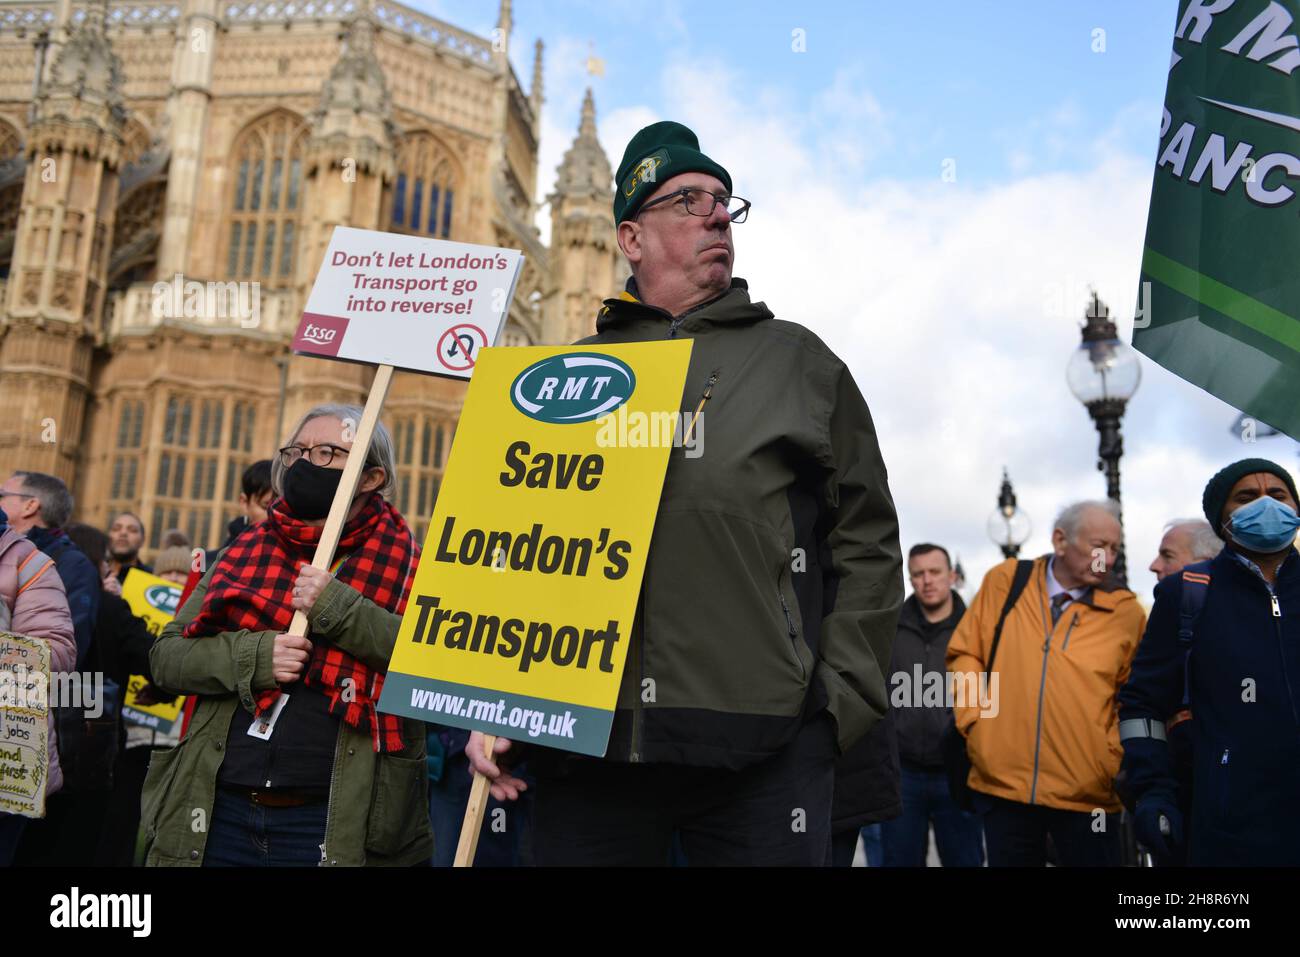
[252, 587]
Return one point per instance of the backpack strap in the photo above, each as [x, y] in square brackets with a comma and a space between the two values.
[1024, 568]
[1196, 582]
[1196, 585]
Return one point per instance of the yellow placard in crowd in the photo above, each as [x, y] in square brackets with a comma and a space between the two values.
[520, 615]
[155, 600]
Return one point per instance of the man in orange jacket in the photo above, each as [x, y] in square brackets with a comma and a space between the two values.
[1044, 742]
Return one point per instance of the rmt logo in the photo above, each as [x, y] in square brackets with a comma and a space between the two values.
[577, 387]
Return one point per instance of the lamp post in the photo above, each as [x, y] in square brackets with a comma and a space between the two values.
[1103, 373]
[1008, 526]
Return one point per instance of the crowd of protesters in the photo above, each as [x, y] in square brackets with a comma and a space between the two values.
[780, 698]
[1082, 707]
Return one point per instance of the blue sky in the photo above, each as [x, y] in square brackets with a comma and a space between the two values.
[965, 80]
[956, 301]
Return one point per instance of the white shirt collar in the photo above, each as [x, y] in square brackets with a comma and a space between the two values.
[1054, 587]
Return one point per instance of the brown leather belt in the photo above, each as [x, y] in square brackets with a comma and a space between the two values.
[279, 797]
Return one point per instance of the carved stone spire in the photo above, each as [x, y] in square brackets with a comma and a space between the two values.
[354, 103]
[585, 168]
[536, 94]
[86, 78]
[505, 23]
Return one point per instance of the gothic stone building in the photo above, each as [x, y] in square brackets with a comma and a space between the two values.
[223, 141]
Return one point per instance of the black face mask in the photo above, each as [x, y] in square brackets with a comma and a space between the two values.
[309, 489]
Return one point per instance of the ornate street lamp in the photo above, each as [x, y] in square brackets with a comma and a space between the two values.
[1103, 374]
[1008, 526]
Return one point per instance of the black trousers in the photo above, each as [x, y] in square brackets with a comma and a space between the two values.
[1016, 835]
[775, 813]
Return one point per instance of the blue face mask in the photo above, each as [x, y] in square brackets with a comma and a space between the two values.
[1264, 525]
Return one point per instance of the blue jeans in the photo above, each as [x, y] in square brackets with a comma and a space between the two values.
[242, 834]
[872, 844]
[926, 800]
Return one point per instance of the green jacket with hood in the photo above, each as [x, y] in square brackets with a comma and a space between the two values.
[378, 803]
[774, 579]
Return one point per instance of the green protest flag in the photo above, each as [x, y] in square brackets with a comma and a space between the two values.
[1219, 302]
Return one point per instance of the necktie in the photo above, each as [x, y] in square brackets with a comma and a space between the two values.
[1058, 606]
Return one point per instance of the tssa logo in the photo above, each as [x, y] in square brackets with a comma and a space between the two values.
[577, 387]
[319, 334]
[165, 598]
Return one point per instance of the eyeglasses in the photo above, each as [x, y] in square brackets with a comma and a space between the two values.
[4, 494]
[321, 455]
[700, 202]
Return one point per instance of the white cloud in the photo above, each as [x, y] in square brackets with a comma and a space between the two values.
[957, 306]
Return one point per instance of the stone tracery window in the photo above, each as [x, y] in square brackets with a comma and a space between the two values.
[419, 442]
[424, 192]
[262, 208]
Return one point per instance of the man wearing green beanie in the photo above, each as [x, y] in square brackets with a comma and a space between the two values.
[774, 577]
[1223, 642]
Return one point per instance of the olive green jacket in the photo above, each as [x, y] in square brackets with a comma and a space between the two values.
[378, 803]
[774, 578]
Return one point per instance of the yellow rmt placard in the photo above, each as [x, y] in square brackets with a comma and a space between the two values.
[155, 600]
[519, 618]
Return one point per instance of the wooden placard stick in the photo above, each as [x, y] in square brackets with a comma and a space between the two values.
[351, 478]
[473, 823]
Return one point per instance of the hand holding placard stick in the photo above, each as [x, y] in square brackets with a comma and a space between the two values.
[474, 811]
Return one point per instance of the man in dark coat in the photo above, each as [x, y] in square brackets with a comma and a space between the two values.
[1235, 663]
[921, 715]
[737, 697]
[41, 505]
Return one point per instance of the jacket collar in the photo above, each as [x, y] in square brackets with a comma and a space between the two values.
[1230, 556]
[912, 615]
[43, 538]
[1106, 597]
[732, 307]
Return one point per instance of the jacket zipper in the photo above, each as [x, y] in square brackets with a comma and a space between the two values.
[1277, 628]
[1223, 783]
[793, 631]
[1042, 686]
[329, 804]
[1286, 675]
[1073, 621]
[707, 394]
[789, 622]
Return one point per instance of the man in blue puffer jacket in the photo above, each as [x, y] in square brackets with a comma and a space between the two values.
[1232, 655]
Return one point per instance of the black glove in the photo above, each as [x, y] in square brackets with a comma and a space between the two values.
[1151, 811]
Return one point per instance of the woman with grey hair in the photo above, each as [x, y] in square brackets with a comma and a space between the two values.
[287, 760]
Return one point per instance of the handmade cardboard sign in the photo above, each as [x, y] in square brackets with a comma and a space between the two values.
[24, 724]
[519, 618]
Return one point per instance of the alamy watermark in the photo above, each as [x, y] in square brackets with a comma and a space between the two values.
[32, 689]
[179, 298]
[639, 430]
[945, 689]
